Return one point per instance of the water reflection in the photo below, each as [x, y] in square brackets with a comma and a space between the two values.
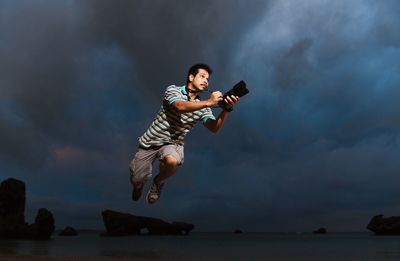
[26, 247]
[9, 247]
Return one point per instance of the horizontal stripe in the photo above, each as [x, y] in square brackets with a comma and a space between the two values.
[208, 118]
[171, 101]
[158, 134]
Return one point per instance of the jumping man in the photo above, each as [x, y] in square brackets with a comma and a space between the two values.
[182, 108]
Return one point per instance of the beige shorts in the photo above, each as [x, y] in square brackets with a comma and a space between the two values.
[141, 165]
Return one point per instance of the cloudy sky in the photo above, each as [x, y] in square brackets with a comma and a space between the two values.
[315, 143]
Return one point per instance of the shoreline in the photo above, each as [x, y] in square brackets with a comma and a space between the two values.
[27, 257]
[18, 257]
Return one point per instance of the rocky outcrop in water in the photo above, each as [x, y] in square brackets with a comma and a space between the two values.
[12, 214]
[68, 231]
[321, 230]
[43, 226]
[124, 224]
[12, 207]
[385, 226]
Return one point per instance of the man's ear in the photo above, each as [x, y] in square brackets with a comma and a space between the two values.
[191, 77]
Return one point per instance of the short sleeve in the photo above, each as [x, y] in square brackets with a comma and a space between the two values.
[207, 115]
[173, 94]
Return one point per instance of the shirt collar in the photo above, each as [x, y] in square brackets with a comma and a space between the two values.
[184, 91]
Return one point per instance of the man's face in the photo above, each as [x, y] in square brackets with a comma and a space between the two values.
[200, 80]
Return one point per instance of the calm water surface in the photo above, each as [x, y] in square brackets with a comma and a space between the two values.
[223, 246]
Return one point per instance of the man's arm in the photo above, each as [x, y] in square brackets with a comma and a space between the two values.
[215, 125]
[188, 106]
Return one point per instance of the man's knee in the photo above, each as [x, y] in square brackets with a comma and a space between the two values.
[170, 161]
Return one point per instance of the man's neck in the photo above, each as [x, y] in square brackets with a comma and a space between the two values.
[191, 92]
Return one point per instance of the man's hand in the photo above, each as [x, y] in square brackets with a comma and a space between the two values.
[216, 125]
[230, 101]
[215, 97]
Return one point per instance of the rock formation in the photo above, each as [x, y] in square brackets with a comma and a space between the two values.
[43, 226]
[12, 217]
[12, 208]
[68, 231]
[321, 230]
[123, 224]
[385, 226]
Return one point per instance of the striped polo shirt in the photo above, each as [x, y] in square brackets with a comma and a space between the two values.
[170, 126]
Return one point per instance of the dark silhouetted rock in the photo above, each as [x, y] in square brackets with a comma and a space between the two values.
[385, 226]
[123, 224]
[12, 208]
[44, 225]
[12, 217]
[321, 230]
[68, 231]
[238, 231]
[12, 201]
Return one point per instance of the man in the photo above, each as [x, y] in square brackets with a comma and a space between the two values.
[164, 139]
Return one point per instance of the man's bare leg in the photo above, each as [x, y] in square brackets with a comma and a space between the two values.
[168, 168]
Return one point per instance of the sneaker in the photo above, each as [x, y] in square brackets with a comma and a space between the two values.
[137, 189]
[154, 192]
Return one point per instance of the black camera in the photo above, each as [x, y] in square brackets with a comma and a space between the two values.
[238, 90]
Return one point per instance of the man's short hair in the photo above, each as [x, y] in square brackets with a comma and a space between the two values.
[195, 69]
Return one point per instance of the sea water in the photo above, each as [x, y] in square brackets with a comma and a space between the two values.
[217, 246]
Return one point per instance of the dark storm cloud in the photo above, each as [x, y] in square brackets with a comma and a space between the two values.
[345, 82]
[32, 148]
[36, 93]
[165, 38]
[345, 103]
[315, 142]
[301, 191]
[46, 78]
[293, 68]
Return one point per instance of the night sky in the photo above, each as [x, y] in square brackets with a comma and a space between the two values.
[315, 143]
